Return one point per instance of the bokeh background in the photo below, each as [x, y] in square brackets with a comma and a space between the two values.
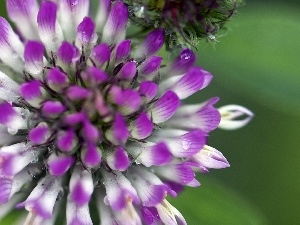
[255, 64]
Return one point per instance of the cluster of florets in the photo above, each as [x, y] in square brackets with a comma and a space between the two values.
[186, 22]
[98, 121]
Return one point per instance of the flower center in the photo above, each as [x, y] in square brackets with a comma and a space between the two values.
[86, 106]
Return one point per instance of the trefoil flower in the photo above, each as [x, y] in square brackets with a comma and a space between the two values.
[90, 119]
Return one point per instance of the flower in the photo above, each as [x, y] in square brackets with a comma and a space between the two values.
[186, 22]
[87, 117]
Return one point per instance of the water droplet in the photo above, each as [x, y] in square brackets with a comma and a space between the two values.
[139, 11]
[12, 130]
[186, 56]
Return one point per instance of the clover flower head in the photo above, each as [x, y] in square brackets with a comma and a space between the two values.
[93, 120]
[186, 22]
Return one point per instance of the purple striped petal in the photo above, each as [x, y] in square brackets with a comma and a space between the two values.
[66, 141]
[86, 37]
[129, 101]
[201, 116]
[179, 173]
[100, 55]
[189, 143]
[24, 13]
[181, 143]
[57, 80]
[115, 26]
[77, 93]
[74, 119]
[118, 159]
[13, 162]
[210, 157]
[93, 76]
[32, 92]
[10, 118]
[152, 43]
[142, 127]
[47, 190]
[165, 107]
[90, 132]
[86, 30]
[67, 54]
[102, 108]
[122, 51]
[33, 55]
[128, 71]
[149, 215]
[119, 190]
[53, 109]
[5, 189]
[174, 188]
[91, 155]
[59, 164]
[148, 90]
[207, 79]
[150, 154]
[149, 187]
[118, 133]
[81, 186]
[50, 31]
[183, 62]
[150, 66]
[39, 134]
[189, 84]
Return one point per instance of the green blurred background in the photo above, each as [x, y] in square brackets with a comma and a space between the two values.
[256, 64]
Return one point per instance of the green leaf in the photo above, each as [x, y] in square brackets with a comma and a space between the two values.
[259, 57]
[214, 204]
[13, 218]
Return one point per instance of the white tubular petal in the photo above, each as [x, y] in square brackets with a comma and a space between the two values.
[23, 14]
[210, 157]
[102, 14]
[49, 29]
[127, 216]
[150, 188]
[7, 139]
[71, 13]
[22, 178]
[115, 27]
[9, 89]
[105, 212]
[119, 190]
[47, 191]
[231, 114]
[78, 215]
[11, 47]
[169, 214]
[81, 186]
